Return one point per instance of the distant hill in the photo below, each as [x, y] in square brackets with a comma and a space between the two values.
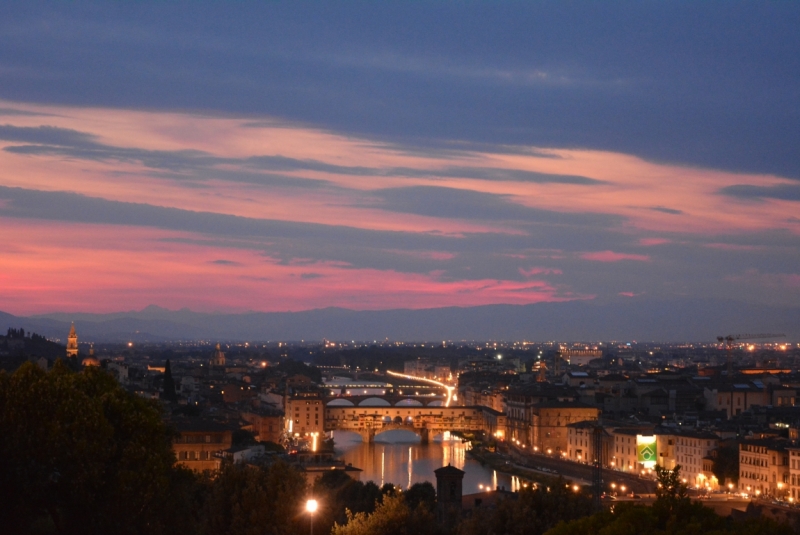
[17, 343]
[692, 321]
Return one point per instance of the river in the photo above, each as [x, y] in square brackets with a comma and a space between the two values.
[397, 457]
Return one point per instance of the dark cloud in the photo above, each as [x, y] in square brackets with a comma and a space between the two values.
[785, 192]
[310, 275]
[454, 203]
[223, 262]
[475, 255]
[709, 84]
[21, 113]
[666, 210]
[48, 135]
[52, 141]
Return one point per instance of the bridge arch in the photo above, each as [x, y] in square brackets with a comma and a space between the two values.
[374, 402]
[409, 402]
[340, 402]
[408, 426]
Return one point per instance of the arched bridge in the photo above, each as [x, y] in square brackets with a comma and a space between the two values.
[370, 421]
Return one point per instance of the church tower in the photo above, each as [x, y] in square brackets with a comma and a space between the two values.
[449, 481]
[72, 342]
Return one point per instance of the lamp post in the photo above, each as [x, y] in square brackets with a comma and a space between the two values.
[311, 508]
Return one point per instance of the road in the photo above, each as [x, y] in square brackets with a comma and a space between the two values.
[574, 470]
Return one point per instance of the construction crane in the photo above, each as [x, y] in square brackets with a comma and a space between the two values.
[729, 339]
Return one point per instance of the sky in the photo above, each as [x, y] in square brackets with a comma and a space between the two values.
[378, 155]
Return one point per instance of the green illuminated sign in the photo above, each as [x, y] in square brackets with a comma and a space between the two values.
[646, 450]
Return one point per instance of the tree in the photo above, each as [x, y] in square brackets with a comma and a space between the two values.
[169, 384]
[530, 512]
[421, 494]
[392, 516]
[672, 494]
[249, 500]
[726, 464]
[80, 453]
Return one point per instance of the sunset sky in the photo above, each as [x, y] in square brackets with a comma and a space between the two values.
[291, 156]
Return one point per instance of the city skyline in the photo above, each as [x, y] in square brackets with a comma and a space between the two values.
[296, 157]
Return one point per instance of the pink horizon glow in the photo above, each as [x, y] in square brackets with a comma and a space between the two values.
[58, 265]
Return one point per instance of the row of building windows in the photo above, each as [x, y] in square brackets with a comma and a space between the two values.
[193, 455]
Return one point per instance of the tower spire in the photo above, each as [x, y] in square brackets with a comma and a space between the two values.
[72, 342]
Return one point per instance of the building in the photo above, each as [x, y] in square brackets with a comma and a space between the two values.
[550, 421]
[580, 357]
[581, 437]
[200, 444]
[449, 492]
[624, 456]
[219, 357]
[693, 451]
[764, 468]
[72, 342]
[793, 492]
[305, 412]
[313, 464]
[266, 424]
[91, 360]
[736, 398]
[522, 404]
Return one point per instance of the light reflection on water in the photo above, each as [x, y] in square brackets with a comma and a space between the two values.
[397, 457]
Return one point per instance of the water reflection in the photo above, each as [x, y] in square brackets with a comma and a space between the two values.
[398, 457]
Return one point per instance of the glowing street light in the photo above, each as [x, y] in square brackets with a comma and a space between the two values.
[311, 508]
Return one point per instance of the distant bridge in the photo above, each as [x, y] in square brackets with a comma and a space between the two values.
[369, 421]
[385, 400]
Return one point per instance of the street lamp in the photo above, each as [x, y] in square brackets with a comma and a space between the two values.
[311, 508]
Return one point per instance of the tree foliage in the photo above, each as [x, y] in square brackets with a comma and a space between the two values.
[81, 454]
[532, 512]
[629, 519]
[248, 500]
[673, 513]
[392, 516]
[169, 384]
[726, 464]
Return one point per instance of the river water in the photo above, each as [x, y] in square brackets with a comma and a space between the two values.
[397, 457]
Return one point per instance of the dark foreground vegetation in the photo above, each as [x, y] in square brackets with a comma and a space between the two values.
[79, 454]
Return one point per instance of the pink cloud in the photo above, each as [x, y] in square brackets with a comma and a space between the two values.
[83, 267]
[629, 294]
[539, 271]
[611, 256]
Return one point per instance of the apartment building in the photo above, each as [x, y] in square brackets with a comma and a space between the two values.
[764, 468]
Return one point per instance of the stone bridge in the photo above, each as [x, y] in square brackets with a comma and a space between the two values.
[369, 421]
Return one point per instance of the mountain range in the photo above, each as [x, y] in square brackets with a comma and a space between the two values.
[667, 321]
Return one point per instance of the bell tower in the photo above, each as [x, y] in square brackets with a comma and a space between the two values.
[72, 342]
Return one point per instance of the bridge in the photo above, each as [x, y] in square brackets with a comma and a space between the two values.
[369, 421]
